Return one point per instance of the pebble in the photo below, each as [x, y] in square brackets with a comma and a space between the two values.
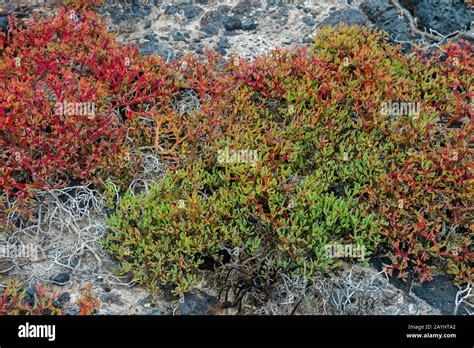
[61, 278]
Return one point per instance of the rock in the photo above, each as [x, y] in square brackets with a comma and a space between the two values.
[61, 278]
[172, 9]
[284, 11]
[156, 312]
[210, 30]
[64, 297]
[348, 16]
[249, 24]
[153, 47]
[6, 265]
[389, 294]
[230, 33]
[232, 23]
[111, 298]
[150, 37]
[242, 8]
[439, 293]
[134, 9]
[147, 25]
[386, 17]
[177, 36]
[443, 16]
[4, 26]
[309, 21]
[192, 11]
[197, 303]
[211, 22]
[223, 43]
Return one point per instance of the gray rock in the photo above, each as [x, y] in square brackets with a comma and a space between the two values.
[197, 303]
[386, 17]
[147, 25]
[156, 312]
[135, 9]
[211, 22]
[215, 18]
[150, 37]
[64, 297]
[192, 11]
[172, 9]
[309, 21]
[177, 36]
[4, 26]
[249, 24]
[223, 43]
[439, 293]
[230, 33]
[111, 298]
[443, 16]
[389, 294]
[284, 11]
[210, 30]
[232, 23]
[153, 47]
[242, 8]
[348, 16]
[61, 278]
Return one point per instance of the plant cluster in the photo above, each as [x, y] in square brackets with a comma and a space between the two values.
[68, 91]
[331, 167]
[39, 300]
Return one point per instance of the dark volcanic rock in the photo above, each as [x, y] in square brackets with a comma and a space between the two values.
[224, 43]
[197, 303]
[443, 16]
[177, 36]
[242, 8]
[160, 49]
[172, 9]
[249, 24]
[61, 278]
[211, 22]
[232, 23]
[387, 18]
[4, 26]
[133, 10]
[309, 21]
[111, 298]
[439, 293]
[64, 297]
[192, 11]
[349, 16]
